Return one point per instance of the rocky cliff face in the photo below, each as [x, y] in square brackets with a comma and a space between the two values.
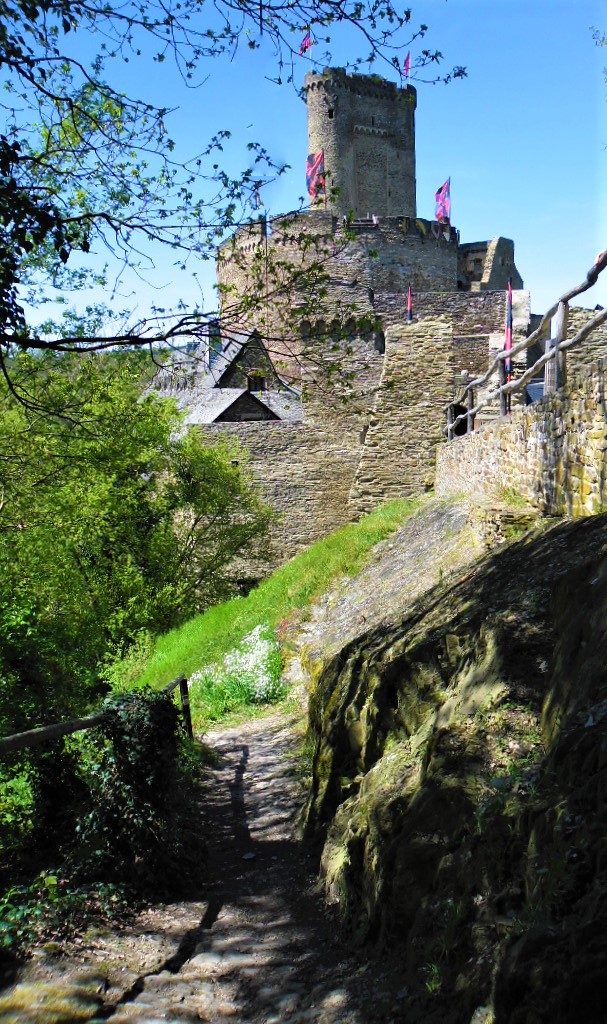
[460, 766]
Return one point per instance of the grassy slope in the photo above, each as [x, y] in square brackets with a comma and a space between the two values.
[290, 590]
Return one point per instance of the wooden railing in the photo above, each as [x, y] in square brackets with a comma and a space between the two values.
[34, 737]
[552, 355]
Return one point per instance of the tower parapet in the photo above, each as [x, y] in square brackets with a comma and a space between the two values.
[366, 127]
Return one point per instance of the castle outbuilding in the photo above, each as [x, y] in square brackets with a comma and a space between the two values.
[326, 296]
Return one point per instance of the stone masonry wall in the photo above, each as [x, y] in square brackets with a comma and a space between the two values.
[356, 270]
[472, 314]
[366, 127]
[306, 470]
[305, 475]
[553, 453]
[592, 348]
[409, 415]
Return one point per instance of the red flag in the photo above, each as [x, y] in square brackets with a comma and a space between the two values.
[306, 44]
[407, 66]
[409, 305]
[315, 174]
[443, 203]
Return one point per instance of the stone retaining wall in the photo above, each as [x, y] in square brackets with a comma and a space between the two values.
[552, 454]
[305, 475]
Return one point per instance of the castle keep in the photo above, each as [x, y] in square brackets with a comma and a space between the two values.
[354, 394]
[366, 128]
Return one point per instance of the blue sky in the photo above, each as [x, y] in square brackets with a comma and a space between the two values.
[523, 137]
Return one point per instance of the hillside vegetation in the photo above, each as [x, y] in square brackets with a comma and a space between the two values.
[199, 647]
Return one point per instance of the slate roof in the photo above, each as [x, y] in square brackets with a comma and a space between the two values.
[207, 404]
[195, 389]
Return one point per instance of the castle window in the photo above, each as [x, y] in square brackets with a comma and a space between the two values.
[372, 121]
[330, 113]
[256, 381]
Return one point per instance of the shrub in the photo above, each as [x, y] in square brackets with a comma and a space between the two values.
[129, 833]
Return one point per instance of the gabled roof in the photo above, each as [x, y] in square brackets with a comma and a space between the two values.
[208, 405]
[197, 392]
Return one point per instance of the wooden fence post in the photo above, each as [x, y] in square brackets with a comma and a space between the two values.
[560, 334]
[555, 373]
[470, 417]
[502, 379]
[185, 706]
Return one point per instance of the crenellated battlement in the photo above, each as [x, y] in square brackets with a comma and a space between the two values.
[368, 86]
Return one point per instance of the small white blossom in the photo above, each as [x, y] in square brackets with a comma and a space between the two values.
[254, 667]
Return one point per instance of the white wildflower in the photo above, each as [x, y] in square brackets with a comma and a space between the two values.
[254, 668]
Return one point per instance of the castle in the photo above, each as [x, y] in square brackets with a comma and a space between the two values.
[338, 399]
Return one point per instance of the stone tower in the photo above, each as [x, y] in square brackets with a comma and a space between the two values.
[366, 127]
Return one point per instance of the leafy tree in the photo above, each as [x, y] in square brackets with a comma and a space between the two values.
[112, 521]
[83, 166]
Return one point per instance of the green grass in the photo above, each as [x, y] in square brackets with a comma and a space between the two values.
[289, 591]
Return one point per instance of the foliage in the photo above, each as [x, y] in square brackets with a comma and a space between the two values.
[248, 674]
[288, 593]
[16, 807]
[122, 829]
[86, 167]
[112, 522]
[127, 835]
[51, 906]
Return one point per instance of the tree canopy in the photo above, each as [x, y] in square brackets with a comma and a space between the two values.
[112, 522]
[84, 165]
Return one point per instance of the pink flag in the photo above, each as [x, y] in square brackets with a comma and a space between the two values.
[306, 44]
[407, 66]
[315, 174]
[443, 203]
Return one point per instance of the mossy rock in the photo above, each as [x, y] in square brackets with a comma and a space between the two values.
[460, 783]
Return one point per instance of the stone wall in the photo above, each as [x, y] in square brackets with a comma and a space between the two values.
[306, 470]
[471, 314]
[592, 348]
[366, 127]
[485, 266]
[305, 475]
[552, 454]
[408, 419]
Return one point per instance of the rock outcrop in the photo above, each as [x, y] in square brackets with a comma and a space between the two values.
[459, 773]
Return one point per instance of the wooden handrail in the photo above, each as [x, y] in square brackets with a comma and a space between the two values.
[34, 737]
[507, 388]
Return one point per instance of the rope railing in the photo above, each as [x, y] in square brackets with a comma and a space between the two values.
[509, 387]
[46, 733]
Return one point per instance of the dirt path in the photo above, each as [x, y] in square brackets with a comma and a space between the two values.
[259, 947]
